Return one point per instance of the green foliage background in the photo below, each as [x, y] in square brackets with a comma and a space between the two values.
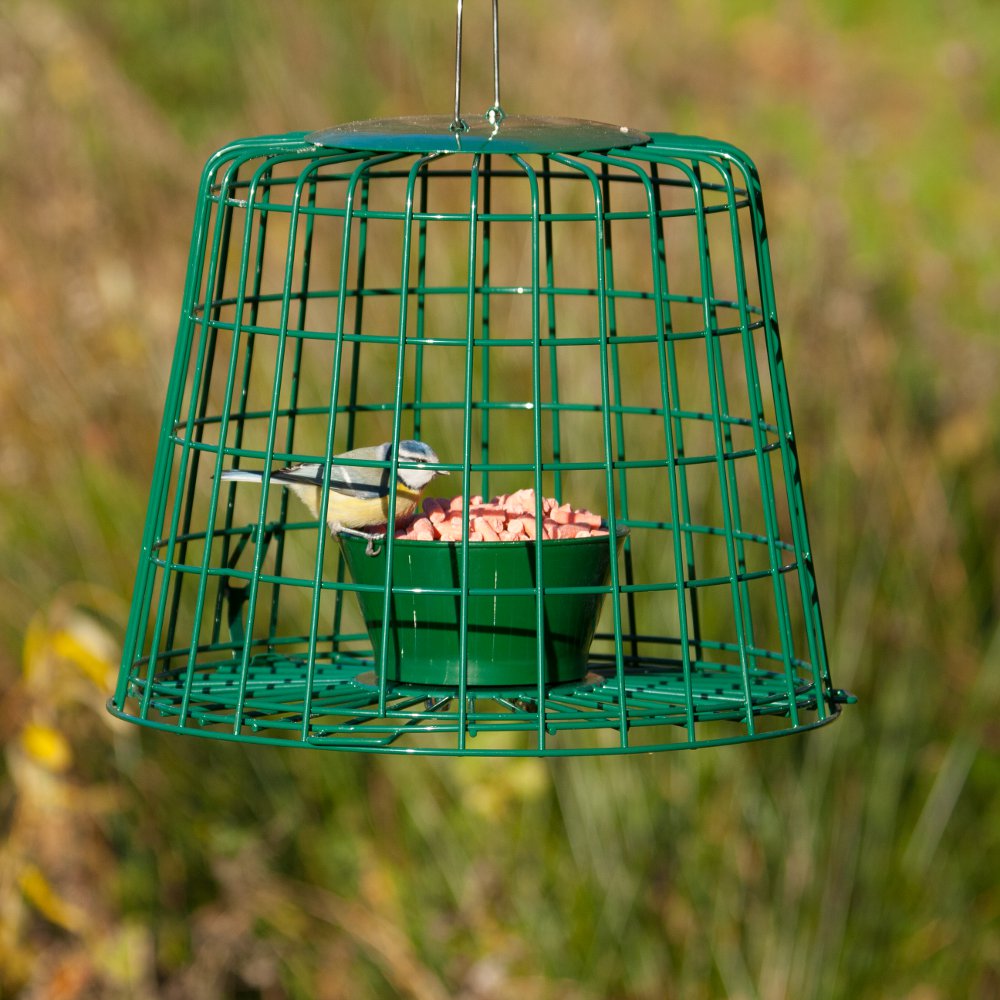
[860, 861]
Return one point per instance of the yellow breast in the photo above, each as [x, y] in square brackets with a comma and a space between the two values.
[352, 512]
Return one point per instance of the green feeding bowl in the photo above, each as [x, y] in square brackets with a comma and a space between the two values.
[502, 649]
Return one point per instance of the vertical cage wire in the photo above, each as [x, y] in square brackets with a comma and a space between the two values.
[598, 326]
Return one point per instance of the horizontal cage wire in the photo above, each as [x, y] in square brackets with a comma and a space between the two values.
[597, 328]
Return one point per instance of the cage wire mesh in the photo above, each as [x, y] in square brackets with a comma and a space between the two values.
[596, 325]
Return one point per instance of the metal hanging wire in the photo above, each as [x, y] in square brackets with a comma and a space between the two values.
[495, 114]
[494, 131]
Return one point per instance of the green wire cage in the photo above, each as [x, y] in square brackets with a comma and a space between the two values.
[578, 309]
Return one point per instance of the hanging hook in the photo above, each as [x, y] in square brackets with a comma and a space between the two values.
[495, 115]
[458, 124]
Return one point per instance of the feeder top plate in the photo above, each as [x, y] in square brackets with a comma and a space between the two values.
[514, 134]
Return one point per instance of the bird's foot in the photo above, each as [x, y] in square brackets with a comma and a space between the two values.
[370, 549]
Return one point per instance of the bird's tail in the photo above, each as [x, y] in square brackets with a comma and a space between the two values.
[242, 476]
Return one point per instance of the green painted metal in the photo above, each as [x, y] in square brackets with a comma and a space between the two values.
[596, 323]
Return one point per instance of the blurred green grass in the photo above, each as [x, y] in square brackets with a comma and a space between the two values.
[858, 862]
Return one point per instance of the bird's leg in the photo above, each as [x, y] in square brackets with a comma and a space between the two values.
[370, 549]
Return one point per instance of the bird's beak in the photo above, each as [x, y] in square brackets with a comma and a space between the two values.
[441, 472]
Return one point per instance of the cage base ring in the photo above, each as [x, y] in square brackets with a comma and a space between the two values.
[344, 713]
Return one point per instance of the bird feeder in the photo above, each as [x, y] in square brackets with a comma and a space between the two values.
[579, 309]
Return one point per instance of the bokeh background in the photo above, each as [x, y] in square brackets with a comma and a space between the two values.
[860, 861]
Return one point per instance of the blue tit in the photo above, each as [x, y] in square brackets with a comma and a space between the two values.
[359, 494]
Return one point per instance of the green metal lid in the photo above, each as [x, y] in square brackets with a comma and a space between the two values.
[511, 134]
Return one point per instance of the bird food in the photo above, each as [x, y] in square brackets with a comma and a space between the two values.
[507, 517]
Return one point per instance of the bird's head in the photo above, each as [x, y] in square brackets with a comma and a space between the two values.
[424, 455]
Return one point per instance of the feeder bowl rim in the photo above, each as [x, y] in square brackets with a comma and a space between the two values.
[621, 533]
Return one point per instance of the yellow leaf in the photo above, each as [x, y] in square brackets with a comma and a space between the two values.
[47, 746]
[70, 646]
[39, 892]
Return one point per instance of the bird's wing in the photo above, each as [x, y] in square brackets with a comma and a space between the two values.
[361, 482]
